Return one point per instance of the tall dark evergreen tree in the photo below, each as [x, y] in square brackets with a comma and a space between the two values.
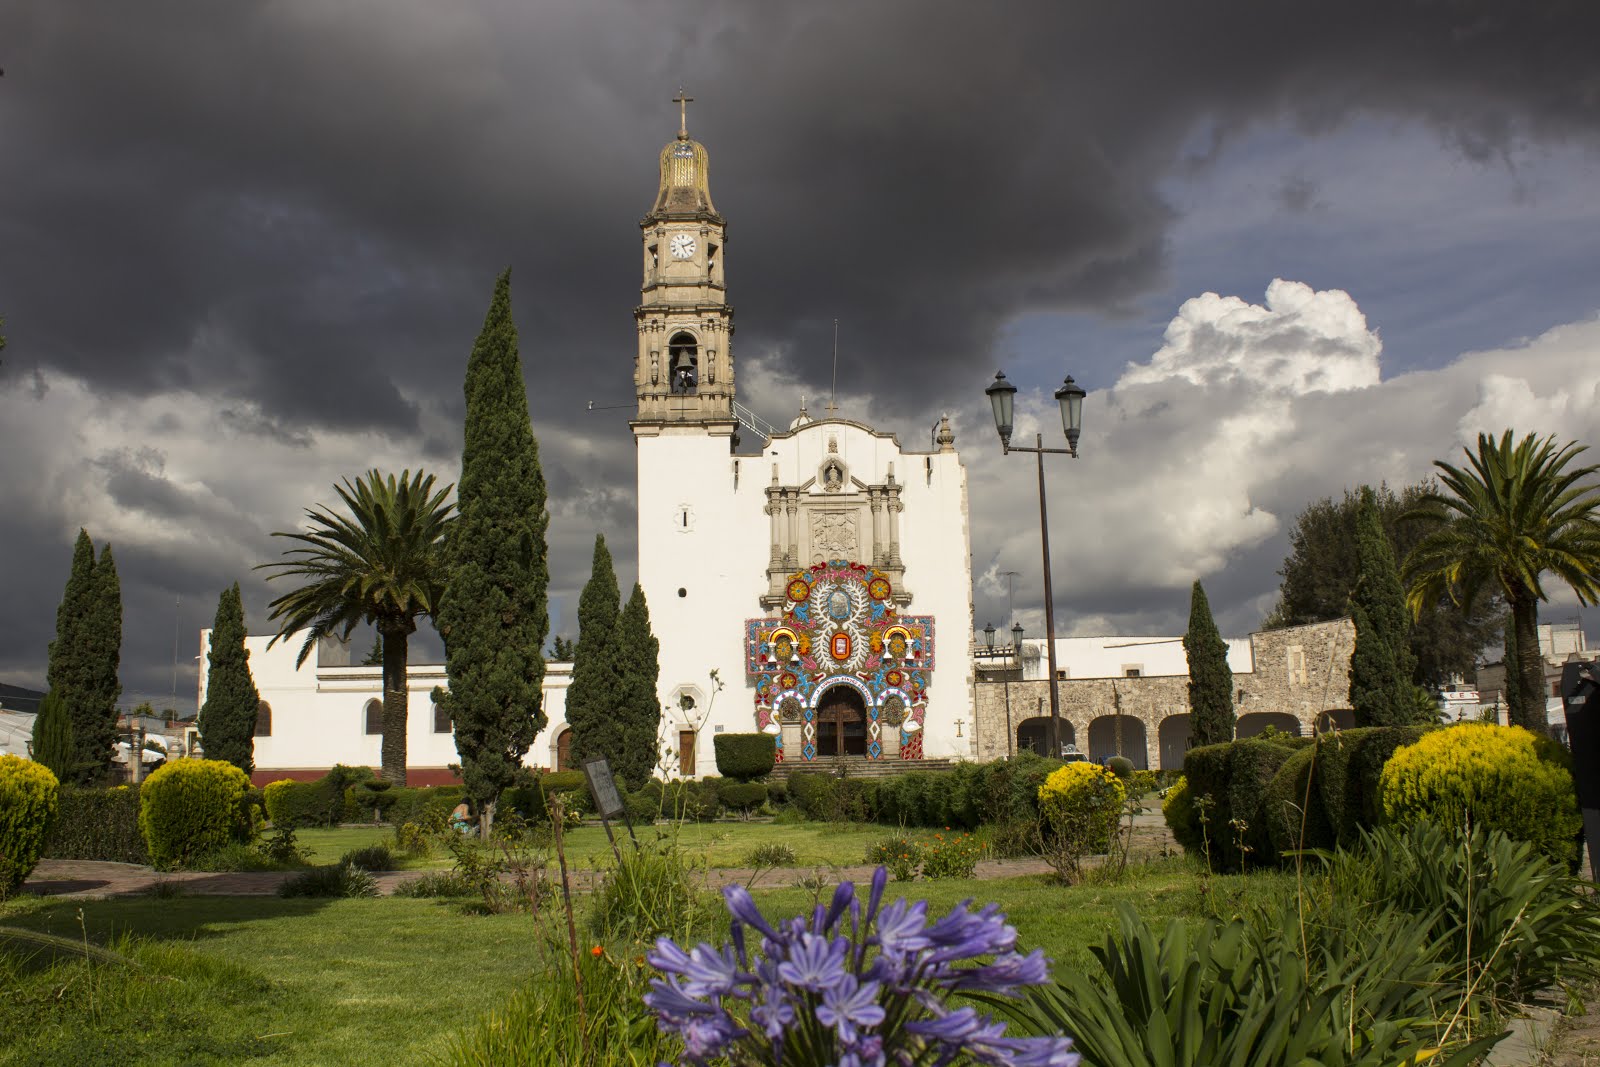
[1211, 716]
[1381, 692]
[71, 674]
[592, 711]
[228, 717]
[103, 642]
[53, 744]
[494, 616]
[1320, 573]
[635, 652]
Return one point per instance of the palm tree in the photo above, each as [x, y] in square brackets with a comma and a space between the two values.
[1515, 515]
[382, 564]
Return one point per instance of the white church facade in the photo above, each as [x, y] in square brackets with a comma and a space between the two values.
[816, 587]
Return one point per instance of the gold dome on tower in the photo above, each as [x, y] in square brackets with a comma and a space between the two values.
[685, 189]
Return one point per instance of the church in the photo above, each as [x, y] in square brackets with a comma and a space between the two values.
[813, 584]
[803, 588]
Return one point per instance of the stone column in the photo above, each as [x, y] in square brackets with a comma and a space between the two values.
[895, 507]
[792, 551]
[879, 548]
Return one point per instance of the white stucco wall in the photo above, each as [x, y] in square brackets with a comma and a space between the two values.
[319, 712]
[719, 558]
[1110, 657]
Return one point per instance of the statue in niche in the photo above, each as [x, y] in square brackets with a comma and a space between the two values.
[832, 477]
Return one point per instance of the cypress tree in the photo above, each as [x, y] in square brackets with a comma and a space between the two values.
[102, 644]
[592, 712]
[1210, 678]
[635, 652]
[52, 738]
[493, 615]
[1381, 691]
[228, 717]
[69, 675]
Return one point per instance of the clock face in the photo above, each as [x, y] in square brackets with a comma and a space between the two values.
[682, 246]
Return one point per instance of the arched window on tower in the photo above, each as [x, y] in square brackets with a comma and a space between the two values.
[683, 361]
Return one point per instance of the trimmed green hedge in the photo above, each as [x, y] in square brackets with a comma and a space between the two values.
[97, 824]
[745, 757]
[1258, 789]
[1228, 788]
[741, 796]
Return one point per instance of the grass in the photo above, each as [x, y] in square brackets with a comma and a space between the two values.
[258, 980]
[720, 844]
[267, 981]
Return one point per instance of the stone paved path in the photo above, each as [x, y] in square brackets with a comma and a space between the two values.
[1577, 1040]
[86, 878]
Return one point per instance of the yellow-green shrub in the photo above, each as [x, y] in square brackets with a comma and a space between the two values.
[193, 806]
[1492, 776]
[1178, 809]
[1080, 804]
[28, 794]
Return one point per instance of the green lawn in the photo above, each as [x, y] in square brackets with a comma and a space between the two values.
[270, 981]
[720, 844]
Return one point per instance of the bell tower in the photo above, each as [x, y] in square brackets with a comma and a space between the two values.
[683, 371]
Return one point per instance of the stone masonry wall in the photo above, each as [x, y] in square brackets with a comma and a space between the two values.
[1300, 672]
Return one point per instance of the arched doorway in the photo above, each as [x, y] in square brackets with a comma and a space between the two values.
[564, 750]
[841, 723]
[1336, 719]
[1257, 721]
[1118, 735]
[1033, 735]
[1173, 738]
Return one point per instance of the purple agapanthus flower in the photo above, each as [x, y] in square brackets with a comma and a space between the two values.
[859, 993]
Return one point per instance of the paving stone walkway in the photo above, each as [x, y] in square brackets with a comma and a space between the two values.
[89, 878]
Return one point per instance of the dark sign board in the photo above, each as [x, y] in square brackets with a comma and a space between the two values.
[603, 787]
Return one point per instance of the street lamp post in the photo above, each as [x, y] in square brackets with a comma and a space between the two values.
[1070, 396]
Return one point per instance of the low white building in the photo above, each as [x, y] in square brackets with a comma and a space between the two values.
[328, 711]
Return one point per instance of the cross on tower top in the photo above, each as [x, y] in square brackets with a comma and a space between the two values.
[683, 103]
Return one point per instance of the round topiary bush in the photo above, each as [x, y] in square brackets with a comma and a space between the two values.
[1491, 776]
[28, 798]
[741, 796]
[1121, 766]
[193, 806]
[1083, 801]
[744, 756]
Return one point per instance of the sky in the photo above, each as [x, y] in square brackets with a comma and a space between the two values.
[245, 249]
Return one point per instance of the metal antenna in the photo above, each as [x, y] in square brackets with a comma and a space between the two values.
[177, 603]
[834, 396]
[1010, 577]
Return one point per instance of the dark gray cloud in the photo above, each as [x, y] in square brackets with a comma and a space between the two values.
[296, 210]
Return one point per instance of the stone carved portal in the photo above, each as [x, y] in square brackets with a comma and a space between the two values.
[841, 668]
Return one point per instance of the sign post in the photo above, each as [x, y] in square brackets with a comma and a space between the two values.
[607, 800]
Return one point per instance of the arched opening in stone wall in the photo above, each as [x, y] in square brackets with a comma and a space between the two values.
[1257, 721]
[1033, 735]
[1337, 719]
[841, 723]
[683, 363]
[1173, 738]
[1118, 735]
